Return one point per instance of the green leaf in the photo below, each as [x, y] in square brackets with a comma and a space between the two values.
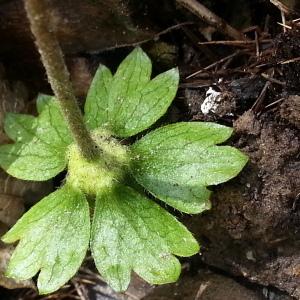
[176, 162]
[131, 232]
[19, 127]
[42, 101]
[40, 149]
[54, 237]
[128, 102]
[96, 105]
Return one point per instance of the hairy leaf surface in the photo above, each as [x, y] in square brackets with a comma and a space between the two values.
[96, 105]
[131, 232]
[19, 127]
[129, 102]
[176, 163]
[54, 237]
[42, 101]
[39, 151]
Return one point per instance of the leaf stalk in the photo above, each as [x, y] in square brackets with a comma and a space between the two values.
[58, 75]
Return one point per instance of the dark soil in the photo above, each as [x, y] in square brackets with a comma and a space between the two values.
[252, 230]
[253, 227]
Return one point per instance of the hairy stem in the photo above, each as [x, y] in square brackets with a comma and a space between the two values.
[58, 75]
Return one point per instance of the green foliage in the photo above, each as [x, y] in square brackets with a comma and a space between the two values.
[176, 162]
[129, 102]
[54, 238]
[129, 232]
[40, 143]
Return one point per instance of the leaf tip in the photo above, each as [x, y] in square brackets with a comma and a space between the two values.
[201, 207]
[9, 274]
[175, 73]
[139, 50]
[195, 248]
[46, 287]
[245, 159]
[190, 248]
[169, 275]
[12, 272]
[43, 290]
[119, 286]
[8, 238]
[103, 68]
[139, 53]
[8, 119]
[41, 101]
[8, 115]
[118, 277]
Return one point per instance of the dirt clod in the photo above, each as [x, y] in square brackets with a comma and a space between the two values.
[290, 110]
[253, 227]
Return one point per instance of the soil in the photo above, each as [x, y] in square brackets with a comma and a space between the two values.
[253, 227]
[251, 237]
[252, 230]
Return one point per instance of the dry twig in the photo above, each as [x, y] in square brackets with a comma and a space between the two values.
[258, 103]
[214, 64]
[205, 14]
[235, 43]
